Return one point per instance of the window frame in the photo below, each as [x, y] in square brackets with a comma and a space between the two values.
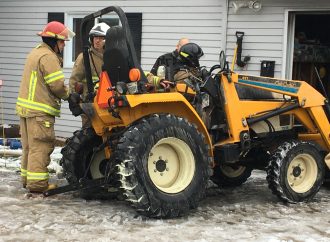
[68, 49]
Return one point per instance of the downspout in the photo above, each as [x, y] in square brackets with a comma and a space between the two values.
[225, 24]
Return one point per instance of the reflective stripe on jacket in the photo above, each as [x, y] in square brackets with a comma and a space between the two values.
[152, 79]
[42, 85]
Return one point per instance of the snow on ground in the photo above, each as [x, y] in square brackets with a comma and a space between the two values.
[247, 213]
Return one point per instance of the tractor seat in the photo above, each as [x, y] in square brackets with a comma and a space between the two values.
[116, 56]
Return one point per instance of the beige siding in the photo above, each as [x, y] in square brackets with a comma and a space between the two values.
[164, 22]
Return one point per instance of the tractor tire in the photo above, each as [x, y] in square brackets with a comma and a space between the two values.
[163, 166]
[296, 171]
[77, 155]
[230, 176]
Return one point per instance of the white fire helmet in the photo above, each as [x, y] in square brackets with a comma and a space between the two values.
[99, 29]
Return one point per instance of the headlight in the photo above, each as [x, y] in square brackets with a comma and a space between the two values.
[121, 88]
[132, 87]
[134, 76]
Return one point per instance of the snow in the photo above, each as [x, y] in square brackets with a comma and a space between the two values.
[6, 126]
[247, 213]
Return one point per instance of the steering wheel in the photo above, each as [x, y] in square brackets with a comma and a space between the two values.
[222, 63]
[213, 68]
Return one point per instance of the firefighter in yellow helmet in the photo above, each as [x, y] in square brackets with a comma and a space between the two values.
[77, 81]
[39, 101]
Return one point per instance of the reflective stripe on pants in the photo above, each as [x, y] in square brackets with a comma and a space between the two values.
[37, 147]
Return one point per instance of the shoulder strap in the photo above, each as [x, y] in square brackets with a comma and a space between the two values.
[169, 63]
[90, 54]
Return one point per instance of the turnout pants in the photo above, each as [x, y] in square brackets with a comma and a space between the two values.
[38, 142]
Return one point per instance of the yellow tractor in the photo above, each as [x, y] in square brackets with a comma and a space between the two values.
[158, 149]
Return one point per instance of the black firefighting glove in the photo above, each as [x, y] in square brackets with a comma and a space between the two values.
[74, 100]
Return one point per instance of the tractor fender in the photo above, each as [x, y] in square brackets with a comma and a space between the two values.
[141, 105]
[172, 102]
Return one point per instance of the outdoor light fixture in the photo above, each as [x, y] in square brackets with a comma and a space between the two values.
[254, 5]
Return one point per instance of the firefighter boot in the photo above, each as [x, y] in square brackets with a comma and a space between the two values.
[51, 186]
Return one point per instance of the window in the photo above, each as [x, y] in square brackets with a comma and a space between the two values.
[73, 21]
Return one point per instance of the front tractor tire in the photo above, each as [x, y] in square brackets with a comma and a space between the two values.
[296, 171]
[163, 166]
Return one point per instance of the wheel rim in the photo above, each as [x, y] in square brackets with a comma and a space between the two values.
[232, 172]
[98, 165]
[302, 173]
[171, 165]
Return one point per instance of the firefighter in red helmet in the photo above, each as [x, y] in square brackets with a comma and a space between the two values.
[39, 102]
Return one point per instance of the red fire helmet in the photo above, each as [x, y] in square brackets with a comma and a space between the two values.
[57, 30]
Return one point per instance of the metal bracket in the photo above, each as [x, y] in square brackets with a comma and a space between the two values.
[82, 184]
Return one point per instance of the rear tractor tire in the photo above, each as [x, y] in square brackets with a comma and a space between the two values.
[231, 175]
[296, 171]
[163, 166]
[78, 160]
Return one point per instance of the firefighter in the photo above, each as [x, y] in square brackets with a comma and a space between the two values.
[169, 61]
[39, 101]
[187, 65]
[188, 59]
[77, 81]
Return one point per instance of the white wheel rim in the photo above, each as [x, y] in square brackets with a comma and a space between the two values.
[95, 165]
[232, 172]
[171, 165]
[302, 173]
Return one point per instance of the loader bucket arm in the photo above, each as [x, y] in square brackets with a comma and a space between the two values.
[306, 103]
[85, 43]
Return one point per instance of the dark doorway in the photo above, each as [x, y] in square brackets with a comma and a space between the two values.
[312, 49]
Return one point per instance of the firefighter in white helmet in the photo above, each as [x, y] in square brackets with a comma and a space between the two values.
[77, 81]
[39, 101]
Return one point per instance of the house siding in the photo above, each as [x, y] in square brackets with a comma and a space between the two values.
[210, 23]
[164, 22]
